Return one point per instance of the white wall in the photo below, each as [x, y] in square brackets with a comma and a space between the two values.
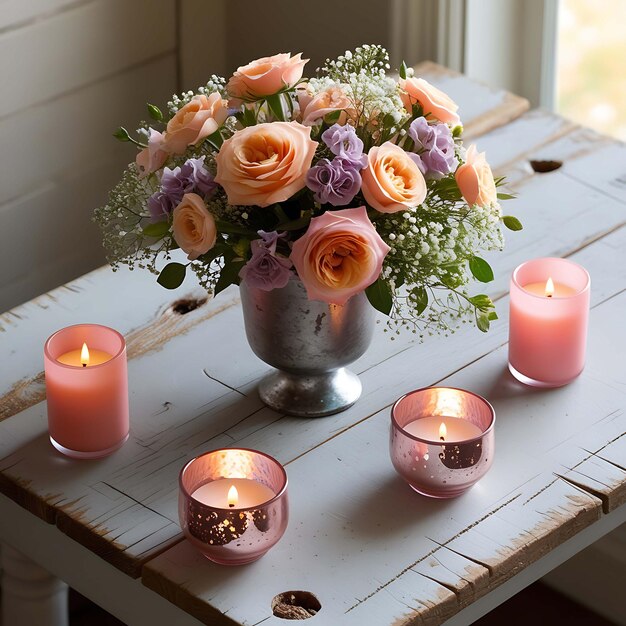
[71, 72]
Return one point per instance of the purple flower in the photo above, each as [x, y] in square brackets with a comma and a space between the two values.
[336, 181]
[192, 176]
[204, 181]
[422, 133]
[265, 270]
[343, 142]
[437, 147]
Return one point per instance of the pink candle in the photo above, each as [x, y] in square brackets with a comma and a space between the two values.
[549, 310]
[87, 390]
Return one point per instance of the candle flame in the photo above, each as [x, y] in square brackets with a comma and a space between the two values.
[84, 355]
[233, 496]
[549, 288]
[443, 431]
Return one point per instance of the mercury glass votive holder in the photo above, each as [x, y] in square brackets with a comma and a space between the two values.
[233, 533]
[435, 466]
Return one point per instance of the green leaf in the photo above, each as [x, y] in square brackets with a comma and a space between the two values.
[172, 275]
[122, 134]
[154, 112]
[402, 70]
[457, 131]
[481, 270]
[246, 117]
[506, 196]
[276, 106]
[482, 321]
[216, 139]
[492, 315]
[481, 301]
[512, 223]
[228, 276]
[421, 296]
[242, 247]
[158, 230]
[380, 296]
[332, 117]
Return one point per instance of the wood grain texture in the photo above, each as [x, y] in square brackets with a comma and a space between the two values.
[481, 107]
[192, 389]
[219, 407]
[356, 521]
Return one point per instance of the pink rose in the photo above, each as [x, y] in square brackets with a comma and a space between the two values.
[392, 181]
[265, 163]
[339, 255]
[194, 227]
[198, 119]
[151, 158]
[314, 108]
[265, 76]
[434, 102]
[475, 179]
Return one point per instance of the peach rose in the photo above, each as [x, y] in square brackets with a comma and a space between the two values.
[392, 181]
[475, 179]
[266, 76]
[434, 102]
[198, 119]
[151, 158]
[314, 108]
[194, 227]
[339, 255]
[265, 163]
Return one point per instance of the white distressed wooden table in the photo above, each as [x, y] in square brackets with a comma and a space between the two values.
[370, 549]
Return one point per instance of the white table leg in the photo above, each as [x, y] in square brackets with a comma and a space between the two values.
[31, 596]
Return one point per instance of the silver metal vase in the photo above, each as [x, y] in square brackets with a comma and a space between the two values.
[309, 343]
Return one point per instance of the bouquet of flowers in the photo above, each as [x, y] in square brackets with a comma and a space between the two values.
[350, 181]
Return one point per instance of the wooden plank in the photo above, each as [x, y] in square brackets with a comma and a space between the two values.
[186, 416]
[47, 48]
[368, 520]
[482, 108]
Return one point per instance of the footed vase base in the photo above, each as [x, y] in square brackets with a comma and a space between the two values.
[314, 395]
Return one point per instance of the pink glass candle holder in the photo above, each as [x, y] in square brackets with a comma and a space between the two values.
[87, 399]
[549, 311]
[233, 504]
[442, 440]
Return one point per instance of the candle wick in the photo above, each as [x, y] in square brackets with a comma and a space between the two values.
[231, 506]
[549, 295]
[84, 364]
[442, 438]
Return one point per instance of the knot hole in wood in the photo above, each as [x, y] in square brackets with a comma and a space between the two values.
[187, 305]
[541, 167]
[295, 605]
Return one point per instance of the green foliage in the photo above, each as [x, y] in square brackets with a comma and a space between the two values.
[380, 296]
[121, 134]
[481, 270]
[511, 222]
[154, 112]
[402, 70]
[172, 275]
[158, 230]
[276, 106]
[229, 275]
